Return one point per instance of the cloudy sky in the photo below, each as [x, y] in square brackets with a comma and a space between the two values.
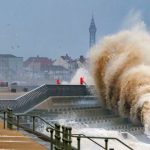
[55, 27]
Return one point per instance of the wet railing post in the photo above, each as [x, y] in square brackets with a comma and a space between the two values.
[69, 138]
[64, 137]
[51, 145]
[57, 137]
[33, 125]
[8, 114]
[49, 129]
[9, 118]
[78, 142]
[4, 119]
[17, 122]
[67, 142]
[106, 144]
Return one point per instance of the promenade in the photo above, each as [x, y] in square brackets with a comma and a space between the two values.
[14, 140]
[10, 95]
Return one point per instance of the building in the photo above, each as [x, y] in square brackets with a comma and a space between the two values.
[11, 67]
[82, 62]
[66, 62]
[37, 64]
[58, 72]
[92, 31]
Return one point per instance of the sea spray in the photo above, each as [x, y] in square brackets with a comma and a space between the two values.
[121, 71]
[86, 144]
[82, 72]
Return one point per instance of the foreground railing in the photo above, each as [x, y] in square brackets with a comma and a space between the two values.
[60, 137]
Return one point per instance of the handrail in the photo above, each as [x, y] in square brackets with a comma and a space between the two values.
[53, 141]
[90, 138]
[34, 97]
[4, 117]
[81, 135]
[54, 129]
[96, 137]
[30, 91]
[36, 117]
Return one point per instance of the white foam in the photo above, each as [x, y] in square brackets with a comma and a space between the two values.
[82, 72]
[143, 98]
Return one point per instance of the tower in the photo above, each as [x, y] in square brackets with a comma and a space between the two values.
[92, 30]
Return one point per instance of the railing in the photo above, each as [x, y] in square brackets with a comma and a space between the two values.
[34, 97]
[106, 139]
[60, 137]
[3, 117]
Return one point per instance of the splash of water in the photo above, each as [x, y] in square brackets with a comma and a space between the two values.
[121, 71]
[129, 139]
[86, 144]
[82, 72]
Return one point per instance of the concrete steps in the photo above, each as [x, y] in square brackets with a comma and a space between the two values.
[90, 116]
[93, 117]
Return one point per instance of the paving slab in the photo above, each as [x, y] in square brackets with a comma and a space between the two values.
[14, 140]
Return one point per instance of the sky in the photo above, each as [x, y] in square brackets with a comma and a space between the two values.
[51, 28]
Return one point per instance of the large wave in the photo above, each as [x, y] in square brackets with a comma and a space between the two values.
[121, 71]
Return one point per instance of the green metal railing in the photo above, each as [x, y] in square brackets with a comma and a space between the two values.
[60, 137]
[3, 112]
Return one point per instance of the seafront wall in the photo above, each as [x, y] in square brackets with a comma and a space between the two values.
[40, 94]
